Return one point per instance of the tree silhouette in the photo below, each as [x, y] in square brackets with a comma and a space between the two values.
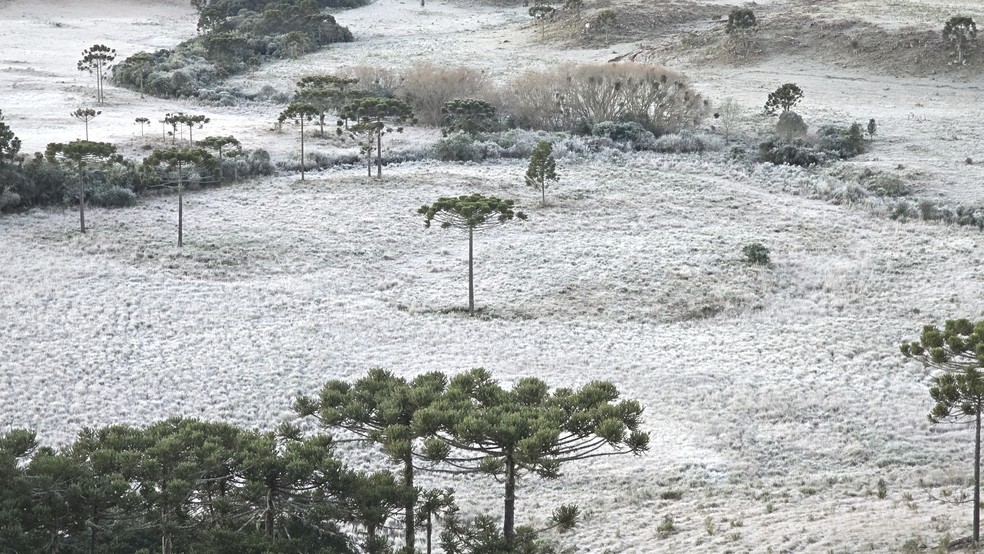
[82, 153]
[542, 168]
[479, 426]
[960, 31]
[96, 60]
[467, 115]
[180, 161]
[325, 92]
[85, 115]
[217, 143]
[957, 353]
[784, 97]
[373, 116]
[472, 212]
[142, 121]
[299, 112]
[9, 143]
[380, 408]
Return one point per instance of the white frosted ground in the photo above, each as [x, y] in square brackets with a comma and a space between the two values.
[796, 385]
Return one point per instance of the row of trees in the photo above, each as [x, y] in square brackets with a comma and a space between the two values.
[189, 485]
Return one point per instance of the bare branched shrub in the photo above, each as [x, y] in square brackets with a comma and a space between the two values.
[376, 81]
[573, 95]
[427, 87]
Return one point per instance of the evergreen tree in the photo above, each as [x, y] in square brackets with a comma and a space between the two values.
[472, 212]
[96, 60]
[182, 162]
[374, 117]
[479, 426]
[957, 354]
[542, 168]
[784, 98]
[82, 153]
[85, 115]
[299, 112]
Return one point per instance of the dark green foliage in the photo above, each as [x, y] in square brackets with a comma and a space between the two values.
[625, 131]
[96, 60]
[842, 143]
[459, 147]
[481, 535]
[468, 115]
[961, 32]
[81, 154]
[235, 35]
[784, 98]
[794, 153]
[487, 429]
[374, 118]
[85, 115]
[756, 253]
[542, 168]
[326, 92]
[380, 408]
[872, 128]
[472, 212]
[956, 352]
[9, 143]
[741, 20]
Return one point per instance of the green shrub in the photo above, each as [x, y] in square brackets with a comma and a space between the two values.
[113, 197]
[687, 142]
[842, 143]
[756, 253]
[795, 153]
[625, 131]
[459, 147]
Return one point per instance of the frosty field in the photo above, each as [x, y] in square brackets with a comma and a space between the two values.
[776, 397]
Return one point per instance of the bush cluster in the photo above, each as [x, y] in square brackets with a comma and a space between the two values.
[235, 35]
[38, 181]
[831, 142]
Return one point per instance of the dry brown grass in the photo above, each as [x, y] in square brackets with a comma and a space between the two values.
[427, 87]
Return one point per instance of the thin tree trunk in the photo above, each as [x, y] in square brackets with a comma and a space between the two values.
[471, 274]
[191, 141]
[302, 148]
[379, 150]
[86, 121]
[977, 478]
[430, 530]
[369, 156]
[180, 209]
[543, 192]
[268, 516]
[410, 538]
[81, 199]
[509, 513]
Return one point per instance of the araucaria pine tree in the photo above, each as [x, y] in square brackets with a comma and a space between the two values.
[299, 112]
[479, 426]
[783, 98]
[957, 354]
[81, 154]
[181, 163]
[85, 115]
[96, 60]
[471, 212]
[960, 30]
[374, 118]
[542, 168]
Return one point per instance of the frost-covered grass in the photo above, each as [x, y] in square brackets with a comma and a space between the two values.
[775, 395]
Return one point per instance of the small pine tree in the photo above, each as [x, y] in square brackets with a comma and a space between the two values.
[542, 168]
[961, 32]
[784, 98]
[85, 115]
[872, 129]
[96, 60]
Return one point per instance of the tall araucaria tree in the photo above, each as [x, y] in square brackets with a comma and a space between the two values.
[85, 115]
[480, 427]
[957, 354]
[374, 118]
[96, 60]
[380, 408]
[299, 112]
[326, 92]
[9, 143]
[181, 162]
[471, 212]
[81, 154]
[217, 143]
